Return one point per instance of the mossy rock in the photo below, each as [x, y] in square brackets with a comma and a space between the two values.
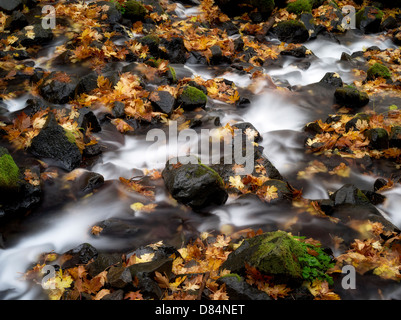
[171, 75]
[273, 253]
[283, 192]
[134, 10]
[351, 97]
[379, 138]
[9, 171]
[368, 19]
[299, 6]
[378, 71]
[291, 31]
[192, 98]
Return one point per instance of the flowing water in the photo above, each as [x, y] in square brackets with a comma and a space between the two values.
[278, 115]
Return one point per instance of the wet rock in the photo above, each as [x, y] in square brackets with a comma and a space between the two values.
[379, 183]
[368, 19]
[118, 276]
[245, 127]
[148, 287]
[10, 175]
[87, 182]
[163, 266]
[298, 52]
[152, 42]
[349, 194]
[192, 98]
[310, 24]
[119, 228]
[283, 191]
[87, 83]
[195, 57]
[351, 124]
[389, 23]
[274, 253]
[195, 185]
[351, 97]
[53, 143]
[162, 101]
[238, 289]
[81, 254]
[58, 89]
[333, 79]
[118, 109]
[291, 31]
[378, 138]
[234, 8]
[299, 6]
[87, 119]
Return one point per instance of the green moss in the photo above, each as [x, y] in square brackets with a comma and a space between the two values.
[194, 95]
[299, 6]
[172, 74]
[9, 172]
[235, 275]
[70, 136]
[134, 10]
[378, 71]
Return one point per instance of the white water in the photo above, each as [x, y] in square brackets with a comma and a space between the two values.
[270, 113]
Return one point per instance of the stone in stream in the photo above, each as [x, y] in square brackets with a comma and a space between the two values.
[291, 31]
[238, 289]
[162, 101]
[378, 71]
[53, 142]
[378, 137]
[34, 36]
[368, 19]
[195, 185]
[192, 98]
[87, 119]
[351, 97]
[58, 88]
[233, 8]
[8, 6]
[16, 21]
[81, 254]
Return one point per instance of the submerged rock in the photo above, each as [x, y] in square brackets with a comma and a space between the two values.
[53, 143]
[195, 185]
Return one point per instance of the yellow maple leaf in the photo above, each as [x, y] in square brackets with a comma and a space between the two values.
[271, 193]
[236, 182]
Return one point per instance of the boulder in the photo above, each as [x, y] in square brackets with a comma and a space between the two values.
[192, 98]
[8, 6]
[351, 97]
[195, 185]
[81, 254]
[378, 71]
[36, 36]
[58, 88]
[368, 19]
[87, 119]
[299, 6]
[9, 172]
[378, 137]
[175, 50]
[291, 31]
[53, 143]
[162, 101]
[134, 11]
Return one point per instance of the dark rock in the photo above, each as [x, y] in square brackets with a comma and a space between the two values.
[351, 124]
[87, 182]
[378, 70]
[175, 50]
[217, 55]
[283, 191]
[87, 83]
[368, 19]
[195, 185]
[16, 21]
[152, 42]
[349, 194]
[298, 52]
[56, 90]
[379, 183]
[378, 137]
[162, 101]
[235, 8]
[134, 11]
[79, 255]
[113, 14]
[119, 276]
[332, 79]
[41, 36]
[52, 143]
[191, 98]
[116, 295]
[148, 287]
[395, 137]
[389, 23]
[118, 109]
[102, 262]
[351, 97]
[8, 6]
[196, 57]
[291, 31]
[238, 289]
[87, 119]
[118, 228]
[247, 125]
[163, 266]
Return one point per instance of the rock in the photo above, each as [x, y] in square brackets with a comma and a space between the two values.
[244, 126]
[162, 101]
[298, 52]
[283, 191]
[378, 137]
[87, 119]
[273, 253]
[118, 276]
[118, 228]
[238, 289]
[233, 8]
[299, 6]
[16, 21]
[368, 19]
[163, 266]
[351, 97]
[395, 137]
[175, 50]
[378, 71]
[192, 98]
[134, 11]
[113, 14]
[349, 194]
[115, 295]
[333, 79]
[195, 185]
[40, 36]
[9, 173]
[8, 6]
[351, 124]
[103, 261]
[81, 254]
[291, 31]
[58, 88]
[148, 287]
[152, 41]
[389, 23]
[87, 83]
[53, 143]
